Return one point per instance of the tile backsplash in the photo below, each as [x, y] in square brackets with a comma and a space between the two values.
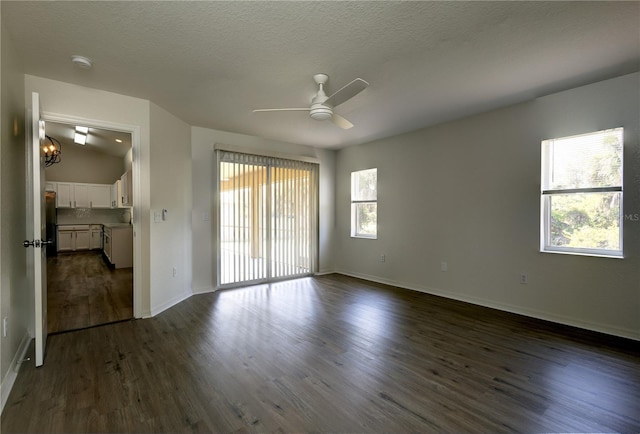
[70, 216]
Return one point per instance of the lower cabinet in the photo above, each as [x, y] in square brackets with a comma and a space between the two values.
[76, 237]
[96, 237]
[66, 240]
[118, 245]
[83, 239]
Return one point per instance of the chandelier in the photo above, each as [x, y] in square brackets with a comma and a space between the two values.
[52, 150]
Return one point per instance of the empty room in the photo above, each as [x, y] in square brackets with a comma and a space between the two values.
[320, 216]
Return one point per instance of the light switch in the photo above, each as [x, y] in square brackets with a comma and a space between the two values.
[157, 216]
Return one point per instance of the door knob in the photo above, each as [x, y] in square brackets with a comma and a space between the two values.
[34, 243]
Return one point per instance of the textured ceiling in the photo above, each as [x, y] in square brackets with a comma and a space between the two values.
[211, 63]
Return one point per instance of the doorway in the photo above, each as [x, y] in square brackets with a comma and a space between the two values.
[268, 218]
[86, 284]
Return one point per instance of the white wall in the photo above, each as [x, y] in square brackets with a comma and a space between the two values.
[14, 291]
[467, 192]
[64, 99]
[170, 190]
[85, 165]
[204, 177]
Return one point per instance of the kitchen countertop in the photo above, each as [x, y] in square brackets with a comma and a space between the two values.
[116, 225]
[107, 225]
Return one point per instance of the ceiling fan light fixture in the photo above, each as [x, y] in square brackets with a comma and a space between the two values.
[321, 113]
[81, 61]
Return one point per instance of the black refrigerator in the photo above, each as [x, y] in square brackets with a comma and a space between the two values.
[51, 220]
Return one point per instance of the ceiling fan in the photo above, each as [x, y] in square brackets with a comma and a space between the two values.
[322, 105]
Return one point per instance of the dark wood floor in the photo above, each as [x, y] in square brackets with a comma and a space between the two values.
[334, 354]
[82, 291]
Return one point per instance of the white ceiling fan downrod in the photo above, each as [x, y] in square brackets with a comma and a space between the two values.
[320, 111]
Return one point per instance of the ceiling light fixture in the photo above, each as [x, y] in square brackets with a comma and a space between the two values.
[81, 61]
[80, 139]
[52, 150]
[83, 130]
[119, 140]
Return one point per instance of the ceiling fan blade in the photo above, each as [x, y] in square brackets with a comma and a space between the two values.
[346, 92]
[341, 122]
[283, 110]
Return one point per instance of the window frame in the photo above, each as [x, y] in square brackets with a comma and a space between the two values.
[355, 207]
[547, 193]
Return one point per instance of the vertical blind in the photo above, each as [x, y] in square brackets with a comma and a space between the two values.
[268, 218]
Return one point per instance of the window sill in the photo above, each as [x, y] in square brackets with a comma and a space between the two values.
[596, 255]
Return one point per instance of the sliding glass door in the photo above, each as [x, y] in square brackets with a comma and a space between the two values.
[267, 218]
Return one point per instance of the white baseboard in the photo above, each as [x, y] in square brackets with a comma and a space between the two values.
[324, 273]
[155, 310]
[533, 313]
[204, 290]
[10, 378]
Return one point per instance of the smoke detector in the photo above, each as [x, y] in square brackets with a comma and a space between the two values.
[81, 61]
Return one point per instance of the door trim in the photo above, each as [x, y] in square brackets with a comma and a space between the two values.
[134, 130]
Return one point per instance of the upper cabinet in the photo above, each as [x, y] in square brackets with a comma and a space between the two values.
[118, 195]
[126, 183]
[115, 194]
[99, 196]
[78, 195]
[64, 195]
[81, 196]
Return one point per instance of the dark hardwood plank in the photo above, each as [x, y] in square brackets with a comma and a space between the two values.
[330, 353]
[82, 291]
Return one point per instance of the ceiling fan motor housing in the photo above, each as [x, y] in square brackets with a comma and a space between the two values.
[320, 112]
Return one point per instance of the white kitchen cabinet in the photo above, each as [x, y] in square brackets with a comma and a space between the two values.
[50, 186]
[118, 245]
[114, 194]
[99, 196]
[65, 240]
[96, 237]
[81, 196]
[74, 237]
[127, 188]
[117, 195]
[83, 239]
[64, 195]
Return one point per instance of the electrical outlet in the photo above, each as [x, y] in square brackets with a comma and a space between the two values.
[524, 278]
[175, 271]
[383, 258]
[443, 266]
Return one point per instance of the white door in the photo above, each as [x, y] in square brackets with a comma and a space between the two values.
[36, 228]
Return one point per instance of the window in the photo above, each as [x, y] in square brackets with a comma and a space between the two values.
[364, 203]
[268, 218]
[581, 209]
